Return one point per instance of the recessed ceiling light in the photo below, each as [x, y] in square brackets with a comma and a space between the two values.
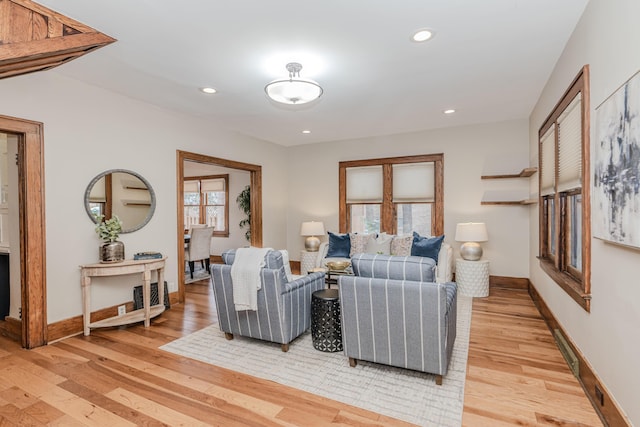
[449, 111]
[306, 131]
[208, 90]
[423, 35]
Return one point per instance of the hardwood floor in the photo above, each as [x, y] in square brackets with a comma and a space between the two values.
[516, 376]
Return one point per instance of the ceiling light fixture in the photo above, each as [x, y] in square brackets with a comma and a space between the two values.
[422, 35]
[449, 111]
[208, 90]
[294, 90]
[306, 131]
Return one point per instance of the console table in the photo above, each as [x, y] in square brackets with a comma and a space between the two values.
[143, 267]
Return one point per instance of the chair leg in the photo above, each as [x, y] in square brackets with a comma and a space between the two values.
[438, 379]
[285, 347]
[192, 266]
[228, 335]
[353, 362]
[208, 264]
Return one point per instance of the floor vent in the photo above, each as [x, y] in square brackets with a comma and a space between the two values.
[566, 351]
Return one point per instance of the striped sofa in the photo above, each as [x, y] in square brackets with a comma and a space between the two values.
[393, 313]
[283, 307]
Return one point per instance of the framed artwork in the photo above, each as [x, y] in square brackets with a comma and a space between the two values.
[616, 172]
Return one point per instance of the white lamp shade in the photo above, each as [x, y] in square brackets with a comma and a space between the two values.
[471, 232]
[312, 228]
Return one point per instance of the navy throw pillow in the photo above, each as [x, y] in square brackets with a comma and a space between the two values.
[339, 245]
[426, 246]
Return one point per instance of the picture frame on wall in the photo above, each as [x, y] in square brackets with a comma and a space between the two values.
[616, 172]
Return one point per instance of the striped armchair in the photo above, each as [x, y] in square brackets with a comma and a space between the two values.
[284, 307]
[393, 313]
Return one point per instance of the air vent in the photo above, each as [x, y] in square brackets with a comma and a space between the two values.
[566, 351]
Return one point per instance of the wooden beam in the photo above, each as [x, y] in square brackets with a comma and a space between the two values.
[34, 38]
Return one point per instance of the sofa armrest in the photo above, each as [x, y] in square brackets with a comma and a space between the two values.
[304, 281]
[444, 269]
[322, 253]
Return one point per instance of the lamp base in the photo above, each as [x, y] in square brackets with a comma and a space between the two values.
[471, 251]
[312, 244]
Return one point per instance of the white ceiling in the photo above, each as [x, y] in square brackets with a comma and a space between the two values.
[489, 60]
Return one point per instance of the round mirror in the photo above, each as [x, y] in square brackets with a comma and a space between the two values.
[121, 192]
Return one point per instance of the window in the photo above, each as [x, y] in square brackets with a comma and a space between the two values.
[565, 227]
[206, 202]
[394, 195]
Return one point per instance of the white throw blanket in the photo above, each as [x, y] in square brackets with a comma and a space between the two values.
[245, 275]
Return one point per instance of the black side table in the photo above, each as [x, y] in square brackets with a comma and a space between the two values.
[326, 331]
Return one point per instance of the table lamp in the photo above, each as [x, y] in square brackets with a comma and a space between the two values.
[312, 229]
[471, 233]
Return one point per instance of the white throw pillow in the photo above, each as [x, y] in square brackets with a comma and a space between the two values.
[287, 264]
[380, 244]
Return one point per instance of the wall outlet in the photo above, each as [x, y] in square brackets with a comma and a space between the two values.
[122, 310]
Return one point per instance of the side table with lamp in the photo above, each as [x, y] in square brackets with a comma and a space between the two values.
[472, 273]
[311, 230]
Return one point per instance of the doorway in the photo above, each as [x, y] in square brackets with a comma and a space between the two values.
[31, 327]
[255, 183]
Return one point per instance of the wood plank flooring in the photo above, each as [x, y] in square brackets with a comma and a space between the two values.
[118, 377]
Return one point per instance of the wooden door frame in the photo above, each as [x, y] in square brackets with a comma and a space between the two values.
[256, 202]
[32, 228]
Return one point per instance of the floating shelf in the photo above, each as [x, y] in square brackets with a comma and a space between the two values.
[136, 203]
[525, 173]
[509, 202]
[506, 198]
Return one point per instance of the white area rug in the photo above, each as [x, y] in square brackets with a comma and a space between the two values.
[199, 273]
[407, 395]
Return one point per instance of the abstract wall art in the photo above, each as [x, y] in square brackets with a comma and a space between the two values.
[616, 172]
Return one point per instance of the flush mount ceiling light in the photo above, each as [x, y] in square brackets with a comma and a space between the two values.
[294, 90]
[208, 90]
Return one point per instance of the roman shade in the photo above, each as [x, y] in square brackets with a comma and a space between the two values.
[547, 163]
[209, 185]
[364, 184]
[570, 146]
[191, 186]
[413, 182]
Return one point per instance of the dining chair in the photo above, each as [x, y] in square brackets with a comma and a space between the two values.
[199, 247]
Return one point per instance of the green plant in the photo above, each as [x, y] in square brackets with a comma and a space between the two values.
[244, 203]
[110, 229]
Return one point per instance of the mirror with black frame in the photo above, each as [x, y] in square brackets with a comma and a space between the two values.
[123, 193]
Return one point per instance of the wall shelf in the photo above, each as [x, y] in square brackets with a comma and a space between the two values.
[510, 198]
[509, 202]
[525, 173]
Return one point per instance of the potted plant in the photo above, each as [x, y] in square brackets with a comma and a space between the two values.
[244, 203]
[111, 250]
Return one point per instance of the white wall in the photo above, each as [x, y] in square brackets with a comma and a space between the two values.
[469, 152]
[608, 39]
[88, 130]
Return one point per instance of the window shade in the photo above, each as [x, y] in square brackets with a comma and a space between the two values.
[570, 146]
[413, 182]
[191, 187]
[548, 162]
[208, 185]
[98, 193]
[364, 184]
